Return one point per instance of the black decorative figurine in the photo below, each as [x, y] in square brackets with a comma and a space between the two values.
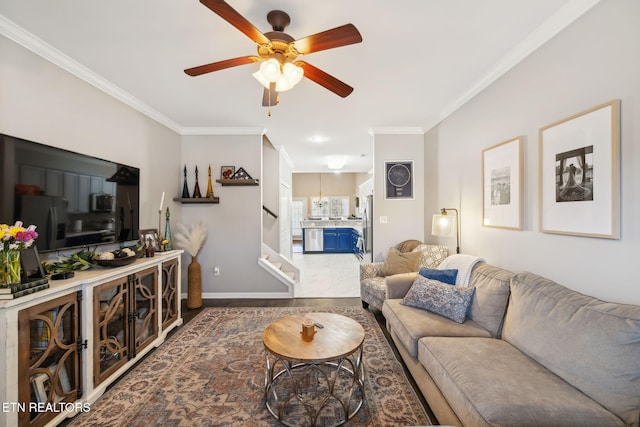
[185, 188]
[196, 190]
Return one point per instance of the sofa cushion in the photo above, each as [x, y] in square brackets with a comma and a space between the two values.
[490, 299]
[431, 255]
[592, 344]
[410, 324]
[445, 276]
[398, 262]
[488, 382]
[449, 301]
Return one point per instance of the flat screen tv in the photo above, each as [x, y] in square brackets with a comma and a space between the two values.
[75, 200]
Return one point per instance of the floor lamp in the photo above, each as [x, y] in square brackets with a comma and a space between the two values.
[443, 226]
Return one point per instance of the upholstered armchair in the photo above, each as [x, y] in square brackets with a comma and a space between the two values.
[407, 257]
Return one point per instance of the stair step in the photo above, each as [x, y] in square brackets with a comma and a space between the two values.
[265, 256]
[277, 265]
[290, 274]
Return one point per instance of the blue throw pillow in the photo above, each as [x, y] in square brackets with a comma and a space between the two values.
[451, 302]
[445, 276]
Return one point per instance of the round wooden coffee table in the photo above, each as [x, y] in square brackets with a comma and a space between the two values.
[317, 382]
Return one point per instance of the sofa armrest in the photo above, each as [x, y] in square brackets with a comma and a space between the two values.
[399, 284]
[370, 269]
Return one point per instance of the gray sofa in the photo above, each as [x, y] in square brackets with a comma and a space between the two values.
[530, 353]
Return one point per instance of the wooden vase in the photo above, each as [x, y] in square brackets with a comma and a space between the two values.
[194, 284]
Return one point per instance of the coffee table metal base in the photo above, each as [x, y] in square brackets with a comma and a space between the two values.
[312, 391]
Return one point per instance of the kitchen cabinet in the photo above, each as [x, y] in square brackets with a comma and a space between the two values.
[338, 240]
[32, 175]
[53, 183]
[96, 184]
[70, 190]
[49, 360]
[84, 193]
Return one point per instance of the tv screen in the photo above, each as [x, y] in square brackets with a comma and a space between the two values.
[75, 200]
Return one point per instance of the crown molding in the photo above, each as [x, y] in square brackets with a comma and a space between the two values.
[399, 130]
[222, 131]
[24, 38]
[566, 15]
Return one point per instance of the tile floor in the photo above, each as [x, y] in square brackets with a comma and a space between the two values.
[326, 275]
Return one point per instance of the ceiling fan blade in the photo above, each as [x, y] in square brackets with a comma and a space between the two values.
[326, 80]
[270, 97]
[229, 14]
[339, 36]
[221, 65]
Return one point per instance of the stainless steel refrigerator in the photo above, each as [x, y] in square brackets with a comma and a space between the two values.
[367, 229]
[49, 215]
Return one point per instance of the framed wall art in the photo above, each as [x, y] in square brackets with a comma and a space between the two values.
[226, 172]
[398, 179]
[580, 174]
[502, 185]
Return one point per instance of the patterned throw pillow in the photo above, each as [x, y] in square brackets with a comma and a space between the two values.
[449, 301]
[431, 255]
[447, 276]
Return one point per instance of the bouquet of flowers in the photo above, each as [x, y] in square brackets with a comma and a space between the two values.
[13, 239]
[16, 237]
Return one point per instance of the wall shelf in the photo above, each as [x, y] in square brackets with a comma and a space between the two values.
[237, 181]
[186, 200]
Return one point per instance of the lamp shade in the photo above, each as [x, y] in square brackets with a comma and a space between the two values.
[443, 225]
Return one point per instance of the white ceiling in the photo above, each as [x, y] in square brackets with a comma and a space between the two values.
[418, 62]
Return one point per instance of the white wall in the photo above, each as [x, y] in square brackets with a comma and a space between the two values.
[234, 240]
[43, 103]
[404, 216]
[593, 61]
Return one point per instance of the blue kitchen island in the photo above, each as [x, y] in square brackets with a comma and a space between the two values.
[331, 236]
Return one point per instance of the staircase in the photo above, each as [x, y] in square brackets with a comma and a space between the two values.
[280, 267]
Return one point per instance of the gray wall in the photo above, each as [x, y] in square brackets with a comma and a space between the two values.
[43, 103]
[234, 239]
[404, 216]
[594, 60]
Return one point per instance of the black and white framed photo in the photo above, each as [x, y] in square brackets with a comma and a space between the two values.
[149, 238]
[580, 174]
[31, 267]
[502, 185]
[398, 179]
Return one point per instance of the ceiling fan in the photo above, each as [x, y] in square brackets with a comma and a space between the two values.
[278, 51]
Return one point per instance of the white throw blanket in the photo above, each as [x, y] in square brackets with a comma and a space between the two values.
[463, 263]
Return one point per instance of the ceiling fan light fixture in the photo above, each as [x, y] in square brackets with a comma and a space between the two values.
[293, 73]
[270, 70]
[285, 77]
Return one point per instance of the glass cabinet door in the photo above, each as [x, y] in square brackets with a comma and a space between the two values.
[169, 292]
[48, 366]
[144, 309]
[110, 324]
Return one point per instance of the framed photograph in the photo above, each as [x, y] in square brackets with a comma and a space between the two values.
[580, 174]
[398, 179]
[149, 238]
[502, 185]
[226, 172]
[41, 384]
[31, 267]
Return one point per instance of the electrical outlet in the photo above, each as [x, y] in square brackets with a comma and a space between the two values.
[383, 220]
[216, 271]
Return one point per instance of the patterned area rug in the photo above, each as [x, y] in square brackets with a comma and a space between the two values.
[211, 373]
